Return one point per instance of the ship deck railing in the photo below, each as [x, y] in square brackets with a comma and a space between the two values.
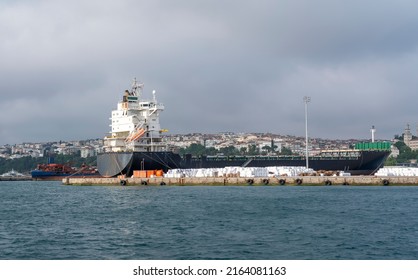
[352, 156]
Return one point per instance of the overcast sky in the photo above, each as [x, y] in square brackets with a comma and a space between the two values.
[238, 66]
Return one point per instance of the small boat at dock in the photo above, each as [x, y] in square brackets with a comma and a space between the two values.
[13, 175]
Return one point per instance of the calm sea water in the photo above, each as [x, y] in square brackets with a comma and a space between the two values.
[46, 220]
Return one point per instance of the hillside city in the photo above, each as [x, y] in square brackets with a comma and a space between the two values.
[241, 141]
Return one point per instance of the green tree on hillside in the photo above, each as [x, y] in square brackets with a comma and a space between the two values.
[229, 151]
[253, 150]
[286, 151]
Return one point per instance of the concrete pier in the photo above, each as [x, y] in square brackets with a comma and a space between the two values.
[241, 181]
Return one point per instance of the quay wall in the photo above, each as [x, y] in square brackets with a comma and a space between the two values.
[242, 181]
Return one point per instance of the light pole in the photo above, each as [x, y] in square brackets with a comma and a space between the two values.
[306, 99]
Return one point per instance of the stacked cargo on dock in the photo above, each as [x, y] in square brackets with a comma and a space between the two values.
[398, 171]
[239, 172]
[147, 173]
[373, 146]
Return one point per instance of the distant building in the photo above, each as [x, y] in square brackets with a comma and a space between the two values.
[394, 151]
[409, 140]
[70, 150]
[87, 151]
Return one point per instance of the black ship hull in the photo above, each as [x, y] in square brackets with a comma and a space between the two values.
[367, 163]
[116, 163]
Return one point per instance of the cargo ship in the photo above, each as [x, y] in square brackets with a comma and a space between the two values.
[135, 142]
[57, 171]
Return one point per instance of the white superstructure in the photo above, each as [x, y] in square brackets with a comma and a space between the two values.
[135, 125]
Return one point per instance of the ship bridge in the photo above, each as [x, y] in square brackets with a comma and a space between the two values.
[135, 124]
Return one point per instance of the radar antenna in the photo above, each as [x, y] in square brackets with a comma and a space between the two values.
[137, 88]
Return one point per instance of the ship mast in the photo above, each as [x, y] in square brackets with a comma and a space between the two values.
[137, 88]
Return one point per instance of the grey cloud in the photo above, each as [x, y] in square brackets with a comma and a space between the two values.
[217, 66]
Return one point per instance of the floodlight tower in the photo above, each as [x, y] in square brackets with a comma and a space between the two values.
[306, 99]
[373, 131]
